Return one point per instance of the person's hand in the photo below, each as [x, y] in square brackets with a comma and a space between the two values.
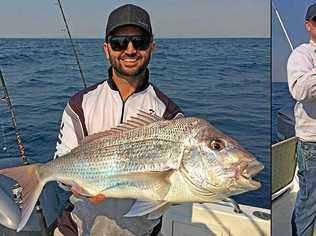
[97, 199]
[94, 199]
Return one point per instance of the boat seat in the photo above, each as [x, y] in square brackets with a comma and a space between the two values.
[283, 165]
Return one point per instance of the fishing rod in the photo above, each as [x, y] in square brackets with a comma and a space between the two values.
[72, 44]
[16, 189]
[282, 25]
[19, 141]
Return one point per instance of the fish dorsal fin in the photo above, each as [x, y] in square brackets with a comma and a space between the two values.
[92, 137]
[141, 119]
[151, 116]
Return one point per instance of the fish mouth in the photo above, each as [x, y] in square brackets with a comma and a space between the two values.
[248, 171]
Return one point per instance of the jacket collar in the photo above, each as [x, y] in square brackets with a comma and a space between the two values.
[312, 43]
[143, 86]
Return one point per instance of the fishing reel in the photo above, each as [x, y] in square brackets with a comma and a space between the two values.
[16, 191]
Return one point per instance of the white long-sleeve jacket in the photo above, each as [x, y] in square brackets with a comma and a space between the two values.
[301, 70]
[96, 109]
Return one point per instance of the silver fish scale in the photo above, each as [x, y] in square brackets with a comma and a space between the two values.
[148, 155]
[155, 147]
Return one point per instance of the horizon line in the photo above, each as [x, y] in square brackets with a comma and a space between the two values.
[167, 37]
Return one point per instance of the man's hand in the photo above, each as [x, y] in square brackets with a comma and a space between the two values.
[94, 200]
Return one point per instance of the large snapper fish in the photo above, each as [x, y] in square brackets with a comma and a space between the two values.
[158, 162]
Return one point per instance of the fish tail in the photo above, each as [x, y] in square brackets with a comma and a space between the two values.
[29, 179]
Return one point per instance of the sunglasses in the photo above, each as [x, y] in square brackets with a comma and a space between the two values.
[120, 43]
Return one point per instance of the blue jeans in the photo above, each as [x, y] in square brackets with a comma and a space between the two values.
[304, 214]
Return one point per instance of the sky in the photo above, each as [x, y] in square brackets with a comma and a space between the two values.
[170, 18]
[292, 14]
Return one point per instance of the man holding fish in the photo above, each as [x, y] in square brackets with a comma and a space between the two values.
[126, 151]
[128, 47]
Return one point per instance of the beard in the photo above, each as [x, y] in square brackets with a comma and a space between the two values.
[129, 72]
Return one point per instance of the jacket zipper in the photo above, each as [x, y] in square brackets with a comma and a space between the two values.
[122, 114]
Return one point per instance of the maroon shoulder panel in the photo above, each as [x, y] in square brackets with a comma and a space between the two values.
[75, 103]
[171, 108]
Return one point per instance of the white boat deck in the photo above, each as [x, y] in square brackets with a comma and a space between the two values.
[215, 219]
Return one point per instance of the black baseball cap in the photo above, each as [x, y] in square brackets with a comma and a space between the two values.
[128, 14]
[311, 12]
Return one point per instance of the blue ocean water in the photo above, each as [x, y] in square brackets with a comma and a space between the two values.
[226, 81]
[281, 98]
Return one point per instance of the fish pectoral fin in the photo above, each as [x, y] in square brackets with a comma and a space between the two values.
[155, 184]
[141, 208]
[157, 181]
[159, 212]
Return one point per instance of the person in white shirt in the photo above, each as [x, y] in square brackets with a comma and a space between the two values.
[301, 69]
[128, 46]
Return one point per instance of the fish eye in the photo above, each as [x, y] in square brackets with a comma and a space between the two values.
[216, 145]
